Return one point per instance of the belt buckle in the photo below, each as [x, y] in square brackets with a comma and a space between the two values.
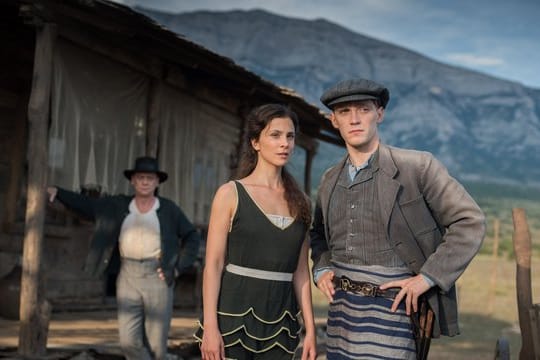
[345, 283]
[369, 290]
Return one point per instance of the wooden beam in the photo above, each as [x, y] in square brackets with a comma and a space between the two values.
[331, 139]
[120, 34]
[310, 146]
[305, 141]
[310, 154]
[137, 61]
[522, 250]
[34, 309]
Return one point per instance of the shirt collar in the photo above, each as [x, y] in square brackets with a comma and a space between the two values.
[133, 207]
[354, 170]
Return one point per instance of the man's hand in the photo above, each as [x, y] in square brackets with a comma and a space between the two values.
[411, 289]
[326, 285]
[161, 274]
[52, 191]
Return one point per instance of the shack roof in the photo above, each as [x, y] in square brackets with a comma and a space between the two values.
[124, 28]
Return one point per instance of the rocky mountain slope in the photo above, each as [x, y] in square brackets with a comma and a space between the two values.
[483, 128]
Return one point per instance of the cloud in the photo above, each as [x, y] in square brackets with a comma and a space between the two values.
[474, 60]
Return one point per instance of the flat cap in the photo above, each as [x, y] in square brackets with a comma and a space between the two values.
[355, 90]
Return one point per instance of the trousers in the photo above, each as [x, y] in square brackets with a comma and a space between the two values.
[145, 305]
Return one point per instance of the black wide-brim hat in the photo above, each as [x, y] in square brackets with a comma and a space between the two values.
[146, 164]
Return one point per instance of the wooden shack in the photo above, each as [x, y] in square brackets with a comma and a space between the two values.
[114, 85]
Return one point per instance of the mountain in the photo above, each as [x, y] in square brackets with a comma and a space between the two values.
[483, 128]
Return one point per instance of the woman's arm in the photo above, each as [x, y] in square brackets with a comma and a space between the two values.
[216, 245]
[302, 288]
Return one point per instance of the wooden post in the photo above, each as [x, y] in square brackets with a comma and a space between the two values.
[495, 263]
[34, 309]
[522, 250]
[310, 147]
[307, 171]
[535, 322]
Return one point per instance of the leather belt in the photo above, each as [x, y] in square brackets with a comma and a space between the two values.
[364, 288]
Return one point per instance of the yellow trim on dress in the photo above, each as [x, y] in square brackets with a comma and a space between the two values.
[286, 312]
[254, 337]
[292, 336]
[262, 350]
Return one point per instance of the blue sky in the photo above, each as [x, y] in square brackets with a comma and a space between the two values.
[496, 37]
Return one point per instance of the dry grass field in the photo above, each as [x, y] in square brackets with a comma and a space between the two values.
[488, 310]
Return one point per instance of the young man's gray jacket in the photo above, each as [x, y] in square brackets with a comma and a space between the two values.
[432, 223]
[109, 212]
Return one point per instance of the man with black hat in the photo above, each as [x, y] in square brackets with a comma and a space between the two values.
[149, 231]
[392, 232]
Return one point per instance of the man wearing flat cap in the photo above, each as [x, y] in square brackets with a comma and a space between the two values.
[149, 231]
[392, 232]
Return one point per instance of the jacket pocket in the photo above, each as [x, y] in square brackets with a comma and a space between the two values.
[418, 216]
[422, 224]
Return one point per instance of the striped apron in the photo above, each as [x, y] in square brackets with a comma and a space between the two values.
[363, 327]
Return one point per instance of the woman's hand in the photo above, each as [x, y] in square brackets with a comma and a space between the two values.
[309, 347]
[212, 347]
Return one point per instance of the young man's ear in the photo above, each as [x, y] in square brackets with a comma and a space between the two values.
[380, 115]
[333, 120]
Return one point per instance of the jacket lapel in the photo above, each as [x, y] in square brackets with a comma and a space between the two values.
[327, 188]
[399, 233]
[387, 186]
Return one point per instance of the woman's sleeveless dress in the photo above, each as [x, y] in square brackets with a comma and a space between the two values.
[259, 314]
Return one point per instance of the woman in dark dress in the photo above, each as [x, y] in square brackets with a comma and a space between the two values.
[256, 279]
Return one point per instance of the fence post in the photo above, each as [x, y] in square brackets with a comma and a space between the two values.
[535, 322]
[495, 264]
[522, 250]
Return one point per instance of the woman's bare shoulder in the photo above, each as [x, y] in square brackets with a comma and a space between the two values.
[226, 192]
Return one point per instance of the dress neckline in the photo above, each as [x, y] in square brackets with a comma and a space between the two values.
[267, 216]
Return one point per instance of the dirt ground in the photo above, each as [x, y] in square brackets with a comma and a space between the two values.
[488, 311]
[94, 334]
[87, 335]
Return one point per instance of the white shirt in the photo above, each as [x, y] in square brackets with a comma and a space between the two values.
[140, 235]
[280, 221]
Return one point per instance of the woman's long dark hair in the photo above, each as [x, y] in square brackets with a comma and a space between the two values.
[256, 121]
